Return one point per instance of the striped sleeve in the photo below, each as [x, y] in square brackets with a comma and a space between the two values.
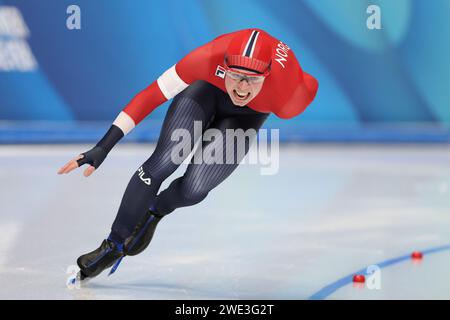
[168, 85]
[139, 107]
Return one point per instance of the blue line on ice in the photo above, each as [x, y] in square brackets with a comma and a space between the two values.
[331, 288]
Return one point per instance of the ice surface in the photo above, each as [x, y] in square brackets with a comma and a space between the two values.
[331, 210]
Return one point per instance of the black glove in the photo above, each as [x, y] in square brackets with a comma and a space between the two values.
[94, 157]
[97, 155]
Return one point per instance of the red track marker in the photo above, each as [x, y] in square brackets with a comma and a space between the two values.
[417, 255]
[359, 278]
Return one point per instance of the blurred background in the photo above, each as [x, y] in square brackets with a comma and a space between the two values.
[364, 173]
[61, 85]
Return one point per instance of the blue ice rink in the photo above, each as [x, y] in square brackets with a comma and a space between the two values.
[330, 211]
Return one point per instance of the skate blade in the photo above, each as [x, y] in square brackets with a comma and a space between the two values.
[77, 281]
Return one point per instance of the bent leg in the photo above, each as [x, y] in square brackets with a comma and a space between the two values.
[196, 103]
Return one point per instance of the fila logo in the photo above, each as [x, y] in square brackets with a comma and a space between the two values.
[141, 175]
[220, 72]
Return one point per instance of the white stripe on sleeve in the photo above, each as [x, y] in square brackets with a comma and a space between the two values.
[124, 122]
[171, 84]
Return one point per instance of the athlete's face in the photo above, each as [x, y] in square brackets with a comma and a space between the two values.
[243, 88]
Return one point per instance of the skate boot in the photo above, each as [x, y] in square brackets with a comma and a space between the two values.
[93, 263]
[142, 234]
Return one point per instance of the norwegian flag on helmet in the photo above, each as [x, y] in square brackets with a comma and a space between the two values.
[249, 51]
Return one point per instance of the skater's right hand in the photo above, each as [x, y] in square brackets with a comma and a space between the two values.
[94, 157]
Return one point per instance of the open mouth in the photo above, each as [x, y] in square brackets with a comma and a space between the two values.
[241, 96]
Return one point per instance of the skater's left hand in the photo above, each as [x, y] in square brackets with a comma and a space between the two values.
[93, 157]
[73, 164]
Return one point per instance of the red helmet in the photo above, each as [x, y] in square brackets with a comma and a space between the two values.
[249, 50]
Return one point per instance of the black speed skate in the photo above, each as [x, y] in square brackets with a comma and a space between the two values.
[111, 253]
[142, 234]
[93, 263]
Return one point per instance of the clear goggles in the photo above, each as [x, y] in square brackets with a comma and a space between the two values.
[239, 75]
